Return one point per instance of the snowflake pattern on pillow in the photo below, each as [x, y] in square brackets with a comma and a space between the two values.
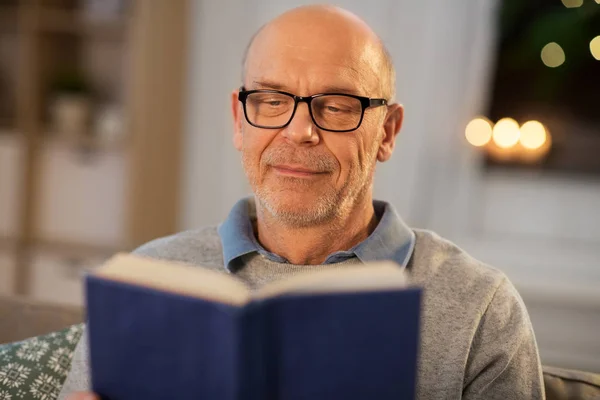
[36, 368]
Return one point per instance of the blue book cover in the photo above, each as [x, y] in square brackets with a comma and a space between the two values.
[160, 330]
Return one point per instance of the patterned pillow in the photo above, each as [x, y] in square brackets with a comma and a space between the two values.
[36, 368]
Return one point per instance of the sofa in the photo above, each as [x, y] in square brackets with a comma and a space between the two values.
[39, 340]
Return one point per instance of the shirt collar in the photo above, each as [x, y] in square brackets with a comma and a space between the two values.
[391, 240]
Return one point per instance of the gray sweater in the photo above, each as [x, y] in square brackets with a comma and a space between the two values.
[477, 341]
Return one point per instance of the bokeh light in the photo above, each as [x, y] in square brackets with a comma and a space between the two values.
[533, 135]
[573, 3]
[506, 133]
[479, 132]
[553, 55]
[595, 46]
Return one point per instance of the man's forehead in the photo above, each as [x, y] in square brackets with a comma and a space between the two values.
[313, 66]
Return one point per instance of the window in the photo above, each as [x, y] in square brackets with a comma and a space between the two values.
[548, 69]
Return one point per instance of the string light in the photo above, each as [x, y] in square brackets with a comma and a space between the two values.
[573, 3]
[506, 133]
[533, 135]
[479, 132]
[553, 55]
[595, 46]
[507, 141]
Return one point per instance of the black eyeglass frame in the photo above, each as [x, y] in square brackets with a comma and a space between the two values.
[366, 102]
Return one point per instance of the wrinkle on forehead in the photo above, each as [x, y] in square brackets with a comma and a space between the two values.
[306, 79]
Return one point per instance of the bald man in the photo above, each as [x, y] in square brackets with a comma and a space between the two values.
[314, 115]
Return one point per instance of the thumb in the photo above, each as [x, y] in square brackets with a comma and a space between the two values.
[83, 396]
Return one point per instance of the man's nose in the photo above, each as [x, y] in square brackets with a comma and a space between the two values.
[301, 129]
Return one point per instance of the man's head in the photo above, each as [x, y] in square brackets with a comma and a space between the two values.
[301, 174]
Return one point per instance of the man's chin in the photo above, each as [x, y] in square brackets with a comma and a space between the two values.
[301, 209]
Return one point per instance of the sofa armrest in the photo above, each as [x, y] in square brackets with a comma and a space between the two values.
[563, 384]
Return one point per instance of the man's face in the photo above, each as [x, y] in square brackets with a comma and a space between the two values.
[300, 174]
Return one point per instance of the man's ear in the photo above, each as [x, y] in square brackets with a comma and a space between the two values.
[238, 118]
[391, 127]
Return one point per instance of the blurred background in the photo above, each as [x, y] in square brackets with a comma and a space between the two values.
[115, 129]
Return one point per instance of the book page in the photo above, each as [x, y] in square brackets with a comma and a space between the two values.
[174, 277]
[376, 276]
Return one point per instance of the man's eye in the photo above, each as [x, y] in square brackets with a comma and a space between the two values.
[274, 103]
[337, 109]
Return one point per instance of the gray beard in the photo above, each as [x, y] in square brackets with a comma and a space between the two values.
[324, 210]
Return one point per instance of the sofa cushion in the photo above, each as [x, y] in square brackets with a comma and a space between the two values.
[36, 368]
[570, 384]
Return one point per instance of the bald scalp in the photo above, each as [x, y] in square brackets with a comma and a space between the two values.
[387, 73]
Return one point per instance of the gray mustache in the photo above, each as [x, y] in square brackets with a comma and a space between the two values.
[309, 160]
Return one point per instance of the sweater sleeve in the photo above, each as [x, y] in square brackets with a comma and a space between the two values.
[503, 361]
[78, 378]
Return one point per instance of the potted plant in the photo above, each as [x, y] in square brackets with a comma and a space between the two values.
[71, 105]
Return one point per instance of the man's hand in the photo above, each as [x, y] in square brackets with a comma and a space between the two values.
[83, 396]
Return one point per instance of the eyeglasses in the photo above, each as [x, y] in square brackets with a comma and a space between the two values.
[335, 112]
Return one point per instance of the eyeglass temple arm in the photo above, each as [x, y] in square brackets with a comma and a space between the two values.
[377, 102]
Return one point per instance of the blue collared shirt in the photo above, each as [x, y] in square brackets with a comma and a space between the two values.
[391, 240]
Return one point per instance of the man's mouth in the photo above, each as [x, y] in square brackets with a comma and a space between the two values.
[298, 171]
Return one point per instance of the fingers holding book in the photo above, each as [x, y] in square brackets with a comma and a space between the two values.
[83, 396]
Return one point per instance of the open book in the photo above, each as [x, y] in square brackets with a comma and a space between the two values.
[165, 330]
